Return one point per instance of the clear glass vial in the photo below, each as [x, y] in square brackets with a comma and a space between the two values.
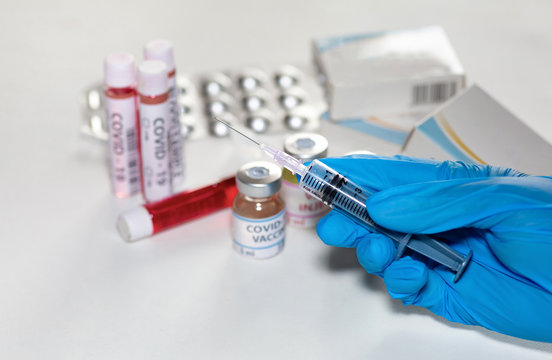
[258, 212]
[302, 210]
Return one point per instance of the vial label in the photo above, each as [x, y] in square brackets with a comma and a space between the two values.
[175, 136]
[302, 210]
[154, 128]
[259, 238]
[123, 146]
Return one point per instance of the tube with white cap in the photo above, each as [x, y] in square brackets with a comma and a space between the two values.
[121, 113]
[149, 219]
[153, 88]
[162, 50]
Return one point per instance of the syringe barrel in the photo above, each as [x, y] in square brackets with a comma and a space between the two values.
[343, 195]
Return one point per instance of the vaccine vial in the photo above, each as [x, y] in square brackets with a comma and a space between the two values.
[149, 219]
[122, 117]
[153, 88]
[162, 50]
[258, 212]
[302, 210]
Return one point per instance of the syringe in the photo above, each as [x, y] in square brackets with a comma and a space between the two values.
[343, 195]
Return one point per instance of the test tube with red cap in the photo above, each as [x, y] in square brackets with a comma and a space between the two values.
[149, 219]
[153, 88]
[162, 50]
[122, 116]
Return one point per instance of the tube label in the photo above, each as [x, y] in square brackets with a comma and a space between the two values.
[302, 210]
[259, 238]
[175, 135]
[154, 129]
[123, 146]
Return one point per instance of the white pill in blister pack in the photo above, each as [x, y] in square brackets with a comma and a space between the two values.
[267, 99]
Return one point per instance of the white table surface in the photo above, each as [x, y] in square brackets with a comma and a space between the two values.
[71, 289]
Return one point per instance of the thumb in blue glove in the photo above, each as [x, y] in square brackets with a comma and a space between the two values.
[503, 216]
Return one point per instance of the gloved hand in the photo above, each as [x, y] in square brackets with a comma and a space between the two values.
[504, 216]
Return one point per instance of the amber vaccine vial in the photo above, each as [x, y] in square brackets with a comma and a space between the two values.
[302, 210]
[258, 212]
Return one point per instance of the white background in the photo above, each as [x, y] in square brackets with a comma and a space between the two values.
[71, 289]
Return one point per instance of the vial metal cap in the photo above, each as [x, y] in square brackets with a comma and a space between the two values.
[306, 146]
[259, 179]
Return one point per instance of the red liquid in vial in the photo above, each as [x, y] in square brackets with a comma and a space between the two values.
[154, 100]
[191, 205]
[120, 93]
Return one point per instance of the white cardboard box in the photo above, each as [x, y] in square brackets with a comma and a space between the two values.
[475, 128]
[389, 79]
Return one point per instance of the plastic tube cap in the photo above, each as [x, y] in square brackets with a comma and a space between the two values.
[162, 50]
[135, 224]
[119, 70]
[152, 78]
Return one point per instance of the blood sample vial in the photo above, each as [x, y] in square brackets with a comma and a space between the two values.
[122, 117]
[302, 210]
[162, 50]
[149, 219]
[153, 88]
[258, 221]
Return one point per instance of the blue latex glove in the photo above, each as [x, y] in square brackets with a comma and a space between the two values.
[504, 216]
